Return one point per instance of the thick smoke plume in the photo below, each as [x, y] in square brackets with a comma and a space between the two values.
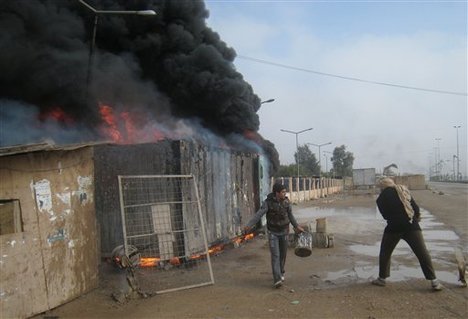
[161, 69]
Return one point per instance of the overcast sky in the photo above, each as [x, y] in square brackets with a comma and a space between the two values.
[420, 44]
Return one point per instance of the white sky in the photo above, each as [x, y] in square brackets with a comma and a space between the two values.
[411, 43]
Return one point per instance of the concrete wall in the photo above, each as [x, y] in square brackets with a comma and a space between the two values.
[411, 181]
[54, 259]
[309, 188]
[363, 177]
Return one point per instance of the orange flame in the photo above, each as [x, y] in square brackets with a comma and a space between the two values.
[56, 114]
[111, 130]
[125, 127]
[241, 239]
[129, 126]
[153, 261]
[252, 135]
[149, 261]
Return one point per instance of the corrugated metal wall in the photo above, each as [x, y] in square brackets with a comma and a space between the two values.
[113, 160]
[228, 186]
[227, 183]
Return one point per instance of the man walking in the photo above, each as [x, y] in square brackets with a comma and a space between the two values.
[278, 215]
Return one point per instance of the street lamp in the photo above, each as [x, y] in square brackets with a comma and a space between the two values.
[326, 162]
[331, 154]
[319, 146]
[437, 156]
[267, 101]
[455, 174]
[458, 156]
[96, 18]
[297, 146]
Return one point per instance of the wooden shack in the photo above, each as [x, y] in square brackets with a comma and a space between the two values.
[48, 233]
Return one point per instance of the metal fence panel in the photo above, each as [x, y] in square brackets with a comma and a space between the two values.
[162, 220]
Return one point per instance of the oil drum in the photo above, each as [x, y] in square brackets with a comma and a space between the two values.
[303, 245]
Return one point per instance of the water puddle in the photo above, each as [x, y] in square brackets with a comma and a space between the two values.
[398, 272]
[368, 223]
[318, 212]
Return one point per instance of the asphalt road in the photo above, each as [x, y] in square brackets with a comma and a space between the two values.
[450, 205]
[452, 189]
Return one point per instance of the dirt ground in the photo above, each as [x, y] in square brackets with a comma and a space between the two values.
[331, 283]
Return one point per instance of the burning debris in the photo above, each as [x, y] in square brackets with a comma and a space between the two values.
[123, 260]
[131, 261]
[128, 262]
[163, 76]
[134, 259]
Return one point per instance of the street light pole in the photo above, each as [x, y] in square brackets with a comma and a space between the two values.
[267, 101]
[326, 163]
[326, 152]
[455, 174]
[297, 145]
[93, 39]
[458, 158]
[437, 156]
[319, 146]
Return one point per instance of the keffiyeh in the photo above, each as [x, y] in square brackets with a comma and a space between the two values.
[403, 193]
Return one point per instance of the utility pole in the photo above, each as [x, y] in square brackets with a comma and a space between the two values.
[319, 146]
[437, 157]
[458, 155]
[297, 147]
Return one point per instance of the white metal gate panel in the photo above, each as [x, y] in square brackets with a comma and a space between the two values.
[162, 219]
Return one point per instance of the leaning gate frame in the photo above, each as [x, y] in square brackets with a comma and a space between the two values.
[162, 218]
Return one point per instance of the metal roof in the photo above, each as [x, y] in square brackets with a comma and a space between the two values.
[45, 146]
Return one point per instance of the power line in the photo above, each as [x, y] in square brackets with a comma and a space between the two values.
[350, 78]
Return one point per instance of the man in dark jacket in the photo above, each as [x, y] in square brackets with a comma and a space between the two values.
[278, 215]
[402, 214]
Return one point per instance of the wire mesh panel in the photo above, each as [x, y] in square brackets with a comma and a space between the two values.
[162, 220]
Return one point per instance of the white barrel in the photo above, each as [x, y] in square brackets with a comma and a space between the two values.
[304, 245]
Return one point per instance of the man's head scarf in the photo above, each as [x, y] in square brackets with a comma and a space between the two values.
[403, 194]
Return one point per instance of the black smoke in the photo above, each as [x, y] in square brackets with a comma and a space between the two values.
[165, 67]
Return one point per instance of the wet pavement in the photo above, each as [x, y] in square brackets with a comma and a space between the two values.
[369, 224]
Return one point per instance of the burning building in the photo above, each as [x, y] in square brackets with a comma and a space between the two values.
[162, 76]
[163, 98]
[61, 206]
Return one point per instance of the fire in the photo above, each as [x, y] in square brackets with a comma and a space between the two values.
[129, 126]
[252, 135]
[241, 239]
[56, 114]
[125, 127]
[111, 129]
[212, 250]
[175, 261]
[149, 261]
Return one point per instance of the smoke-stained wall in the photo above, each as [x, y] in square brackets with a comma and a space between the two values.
[227, 182]
[228, 185]
[112, 160]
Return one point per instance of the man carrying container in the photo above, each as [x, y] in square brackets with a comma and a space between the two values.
[278, 215]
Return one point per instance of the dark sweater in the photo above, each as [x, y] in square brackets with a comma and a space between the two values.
[393, 211]
[267, 204]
